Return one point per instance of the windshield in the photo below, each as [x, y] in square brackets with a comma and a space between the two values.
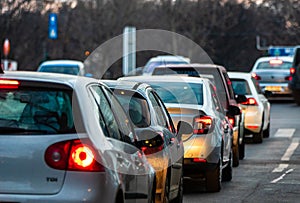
[65, 69]
[29, 110]
[179, 92]
[276, 64]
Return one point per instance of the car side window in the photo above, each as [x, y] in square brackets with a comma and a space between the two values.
[215, 100]
[104, 113]
[161, 119]
[256, 85]
[230, 89]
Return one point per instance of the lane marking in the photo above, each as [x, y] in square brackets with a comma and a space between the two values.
[290, 150]
[285, 132]
[280, 168]
[282, 176]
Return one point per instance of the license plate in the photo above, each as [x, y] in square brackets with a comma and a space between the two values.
[273, 88]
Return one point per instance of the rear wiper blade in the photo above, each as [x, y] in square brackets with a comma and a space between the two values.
[9, 130]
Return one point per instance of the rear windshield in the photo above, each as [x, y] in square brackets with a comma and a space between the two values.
[240, 87]
[179, 93]
[211, 73]
[35, 111]
[275, 64]
[65, 69]
[151, 65]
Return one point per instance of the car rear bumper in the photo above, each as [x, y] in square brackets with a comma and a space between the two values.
[197, 170]
[276, 88]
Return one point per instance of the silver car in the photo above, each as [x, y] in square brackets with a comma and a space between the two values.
[208, 151]
[273, 74]
[62, 142]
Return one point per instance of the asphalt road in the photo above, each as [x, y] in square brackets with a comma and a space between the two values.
[270, 171]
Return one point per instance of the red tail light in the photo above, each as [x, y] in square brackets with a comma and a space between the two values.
[202, 124]
[73, 155]
[232, 121]
[288, 78]
[255, 76]
[251, 102]
[199, 160]
[292, 71]
[9, 84]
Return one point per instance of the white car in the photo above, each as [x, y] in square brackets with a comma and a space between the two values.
[273, 74]
[256, 108]
[60, 141]
[72, 67]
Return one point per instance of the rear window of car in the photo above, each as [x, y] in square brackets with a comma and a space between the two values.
[274, 64]
[179, 93]
[150, 66]
[65, 69]
[35, 111]
[240, 87]
[211, 73]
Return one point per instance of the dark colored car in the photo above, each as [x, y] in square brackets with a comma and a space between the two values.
[218, 75]
[294, 83]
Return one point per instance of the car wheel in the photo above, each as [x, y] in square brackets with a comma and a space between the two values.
[213, 179]
[267, 131]
[242, 150]
[296, 95]
[236, 156]
[179, 197]
[227, 171]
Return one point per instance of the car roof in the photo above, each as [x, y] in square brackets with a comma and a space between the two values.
[165, 78]
[191, 65]
[126, 85]
[169, 58]
[69, 80]
[62, 62]
[268, 58]
[238, 75]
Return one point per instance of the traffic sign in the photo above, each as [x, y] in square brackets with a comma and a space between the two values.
[281, 51]
[52, 26]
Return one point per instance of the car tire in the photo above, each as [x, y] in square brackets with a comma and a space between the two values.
[296, 95]
[266, 132]
[179, 197]
[242, 150]
[213, 179]
[236, 156]
[227, 171]
[167, 190]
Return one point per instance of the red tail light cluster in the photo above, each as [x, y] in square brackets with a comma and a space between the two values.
[292, 71]
[73, 155]
[255, 76]
[250, 102]
[202, 124]
[9, 84]
[232, 121]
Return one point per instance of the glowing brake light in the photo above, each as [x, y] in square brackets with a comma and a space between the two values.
[250, 101]
[255, 76]
[202, 124]
[73, 155]
[199, 160]
[9, 84]
[231, 121]
[292, 71]
[275, 62]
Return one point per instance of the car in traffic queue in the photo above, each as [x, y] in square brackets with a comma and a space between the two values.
[64, 66]
[257, 107]
[208, 151]
[273, 74]
[294, 82]
[218, 76]
[61, 141]
[146, 111]
[163, 60]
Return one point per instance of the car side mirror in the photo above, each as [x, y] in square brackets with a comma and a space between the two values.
[183, 128]
[240, 98]
[233, 110]
[268, 93]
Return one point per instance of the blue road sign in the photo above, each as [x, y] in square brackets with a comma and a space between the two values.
[52, 26]
[281, 51]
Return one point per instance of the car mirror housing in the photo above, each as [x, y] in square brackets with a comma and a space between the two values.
[240, 98]
[184, 128]
[233, 110]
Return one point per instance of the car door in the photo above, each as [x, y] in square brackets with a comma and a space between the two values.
[175, 145]
[129, 161]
